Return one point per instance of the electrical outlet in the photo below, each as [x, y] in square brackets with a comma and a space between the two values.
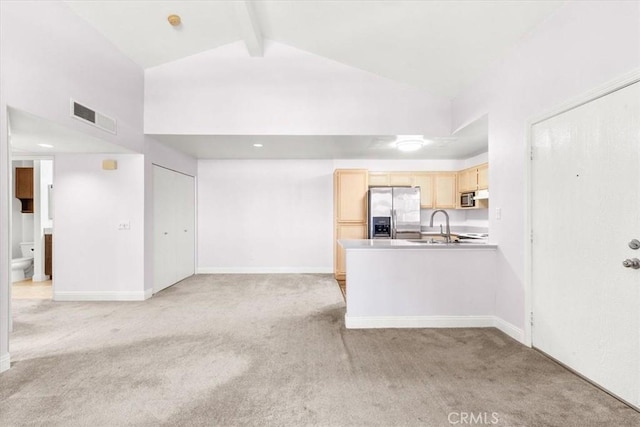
[498, 213]
[124, 225]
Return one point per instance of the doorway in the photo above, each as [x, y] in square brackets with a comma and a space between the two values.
[31, 227]
[585, 202]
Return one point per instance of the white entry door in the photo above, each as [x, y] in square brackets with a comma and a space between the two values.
[585, 212]
[173, 227]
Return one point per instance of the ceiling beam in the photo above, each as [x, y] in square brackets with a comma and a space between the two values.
[249, 27]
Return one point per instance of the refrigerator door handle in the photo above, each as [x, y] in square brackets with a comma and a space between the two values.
[393, 223]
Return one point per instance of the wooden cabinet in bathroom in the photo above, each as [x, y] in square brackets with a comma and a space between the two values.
[24, 188]
[48, 255]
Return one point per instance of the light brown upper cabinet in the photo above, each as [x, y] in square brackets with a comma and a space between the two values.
[350, 192]
[446, 195]
[425, 182]
[378, 179]
[467, 180]
[24, 188]
[483, 176]
[400, 179]
[475, 178]
[390, 179]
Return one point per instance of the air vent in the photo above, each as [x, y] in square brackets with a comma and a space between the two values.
[87, 115]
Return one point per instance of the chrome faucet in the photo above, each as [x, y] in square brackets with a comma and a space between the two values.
[447, 235]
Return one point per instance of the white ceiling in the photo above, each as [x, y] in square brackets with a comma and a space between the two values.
[27, 131]
[440, 46]
[468, 142]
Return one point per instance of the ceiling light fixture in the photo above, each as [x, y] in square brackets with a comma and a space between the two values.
[257, 145]
[46, 145]
[408, 143]
[174, 20]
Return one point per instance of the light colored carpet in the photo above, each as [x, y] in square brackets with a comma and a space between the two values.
[273, 350]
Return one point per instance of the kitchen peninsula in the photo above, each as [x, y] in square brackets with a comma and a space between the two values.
[417, 283]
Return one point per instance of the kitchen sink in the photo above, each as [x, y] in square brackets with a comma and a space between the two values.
[442, 242]
[428, 242]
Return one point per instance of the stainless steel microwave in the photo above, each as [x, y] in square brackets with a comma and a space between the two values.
[467, 200]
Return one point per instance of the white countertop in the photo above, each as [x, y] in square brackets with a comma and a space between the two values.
[412, 244]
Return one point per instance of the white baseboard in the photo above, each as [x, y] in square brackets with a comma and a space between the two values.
[99, 296]
[148, 293]
[5, 362]
[40, 278]
[509, 329]
[264, 270]
[372, 322]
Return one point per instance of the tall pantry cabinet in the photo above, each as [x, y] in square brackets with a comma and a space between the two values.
[350, 213]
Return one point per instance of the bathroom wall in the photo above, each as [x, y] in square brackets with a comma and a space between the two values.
[46, 179]
[43, 177]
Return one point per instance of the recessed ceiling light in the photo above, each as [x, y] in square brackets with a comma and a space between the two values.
[409, 143]
[257, 145]
[46, 145]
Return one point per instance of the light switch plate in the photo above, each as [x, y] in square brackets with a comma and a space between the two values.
[498, 213]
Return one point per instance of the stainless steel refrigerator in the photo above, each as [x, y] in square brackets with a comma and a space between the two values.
[394, 212]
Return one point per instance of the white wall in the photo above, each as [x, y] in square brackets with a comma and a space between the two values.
[458, 218]
[288, 91]
[381, 165]
[43, 177]
[583, 45]
[92, 258]
[277, 215]
[46, 179]
[265, 216]
[49, 55]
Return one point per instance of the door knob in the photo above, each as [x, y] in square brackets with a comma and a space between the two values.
[632, 263]
[634, 244]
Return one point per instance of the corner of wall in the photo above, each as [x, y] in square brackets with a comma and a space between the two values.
[5, 362]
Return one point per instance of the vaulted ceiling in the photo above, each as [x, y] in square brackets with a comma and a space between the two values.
[439, 46]
[434, 45]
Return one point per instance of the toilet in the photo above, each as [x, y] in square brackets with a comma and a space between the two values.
[22, 268]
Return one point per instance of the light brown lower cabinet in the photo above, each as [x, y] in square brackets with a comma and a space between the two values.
[346, 231]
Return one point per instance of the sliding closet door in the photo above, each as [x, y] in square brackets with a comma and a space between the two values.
[185, 214]
[163, 249]
[174, 227]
